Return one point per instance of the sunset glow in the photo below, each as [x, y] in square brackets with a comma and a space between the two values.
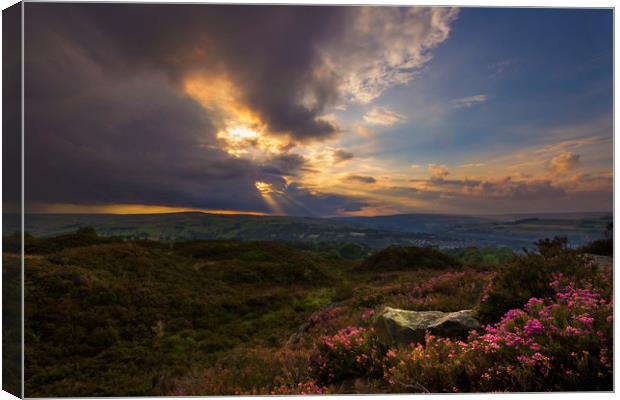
[61, 208]
[399, 110]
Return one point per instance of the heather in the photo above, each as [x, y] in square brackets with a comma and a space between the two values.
[563, 342]
[112, 317]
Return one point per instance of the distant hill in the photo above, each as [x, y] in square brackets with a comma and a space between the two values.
[423, 223]
[422, 230]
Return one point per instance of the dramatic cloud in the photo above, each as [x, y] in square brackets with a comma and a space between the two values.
[382, 116]
[285, 164]
[359, 179]
[115, 123]
[381, 47]
[257, 109]
[469, 101]
[564, 162]
[341, 156]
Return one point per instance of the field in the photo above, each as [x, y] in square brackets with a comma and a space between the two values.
[445, 231]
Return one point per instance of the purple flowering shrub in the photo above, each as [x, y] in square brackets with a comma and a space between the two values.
[445, 292]
[351, 353]
[560, 343]
[530, 276]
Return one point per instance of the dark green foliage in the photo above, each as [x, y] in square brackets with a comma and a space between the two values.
[529, 276]
[127, 318]
[33, 245]
[106, 317]
[335, 250]
[11, 324]
[256, 262]
[552, 247]
[397, 258]
[602, 247]
[481, 256]
[352, 251]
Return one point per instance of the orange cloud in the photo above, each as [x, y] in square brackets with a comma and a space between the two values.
[438, 171]
[240, 129]
[66, 208]
[564, 162]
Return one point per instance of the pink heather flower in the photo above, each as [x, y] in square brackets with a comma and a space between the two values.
[533, 302]
[533, 327]
[526, 361]
[585, 319]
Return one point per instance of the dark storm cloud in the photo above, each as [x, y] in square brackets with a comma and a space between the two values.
[300, 201]
[270, 52]
[285, 164]
[107, 121]
[359, 179]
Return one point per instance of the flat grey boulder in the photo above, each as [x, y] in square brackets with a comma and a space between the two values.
[401, 327]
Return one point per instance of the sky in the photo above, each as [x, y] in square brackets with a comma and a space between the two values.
[317, 111]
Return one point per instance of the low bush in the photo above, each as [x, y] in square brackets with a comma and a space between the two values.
[530, 276]
[251, 371]
[351, 353]
[447, 291]
[601, 247]
[483, 256]
[560, 343]
[398, 258]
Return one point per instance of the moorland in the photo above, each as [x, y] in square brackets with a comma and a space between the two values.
[109, 315]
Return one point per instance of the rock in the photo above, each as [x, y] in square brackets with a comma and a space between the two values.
[401, 327]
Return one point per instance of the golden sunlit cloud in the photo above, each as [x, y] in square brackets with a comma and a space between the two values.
[67, 208]
[564, 162]
[268, 193]
[264, 187]
[240, 129]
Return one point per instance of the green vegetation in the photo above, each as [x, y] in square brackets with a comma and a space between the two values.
[11, 324]
[603, 247]
[128, 317]
[86, 236]
[110, 317]
[398, 258]
[530, 276]
[484, 256]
